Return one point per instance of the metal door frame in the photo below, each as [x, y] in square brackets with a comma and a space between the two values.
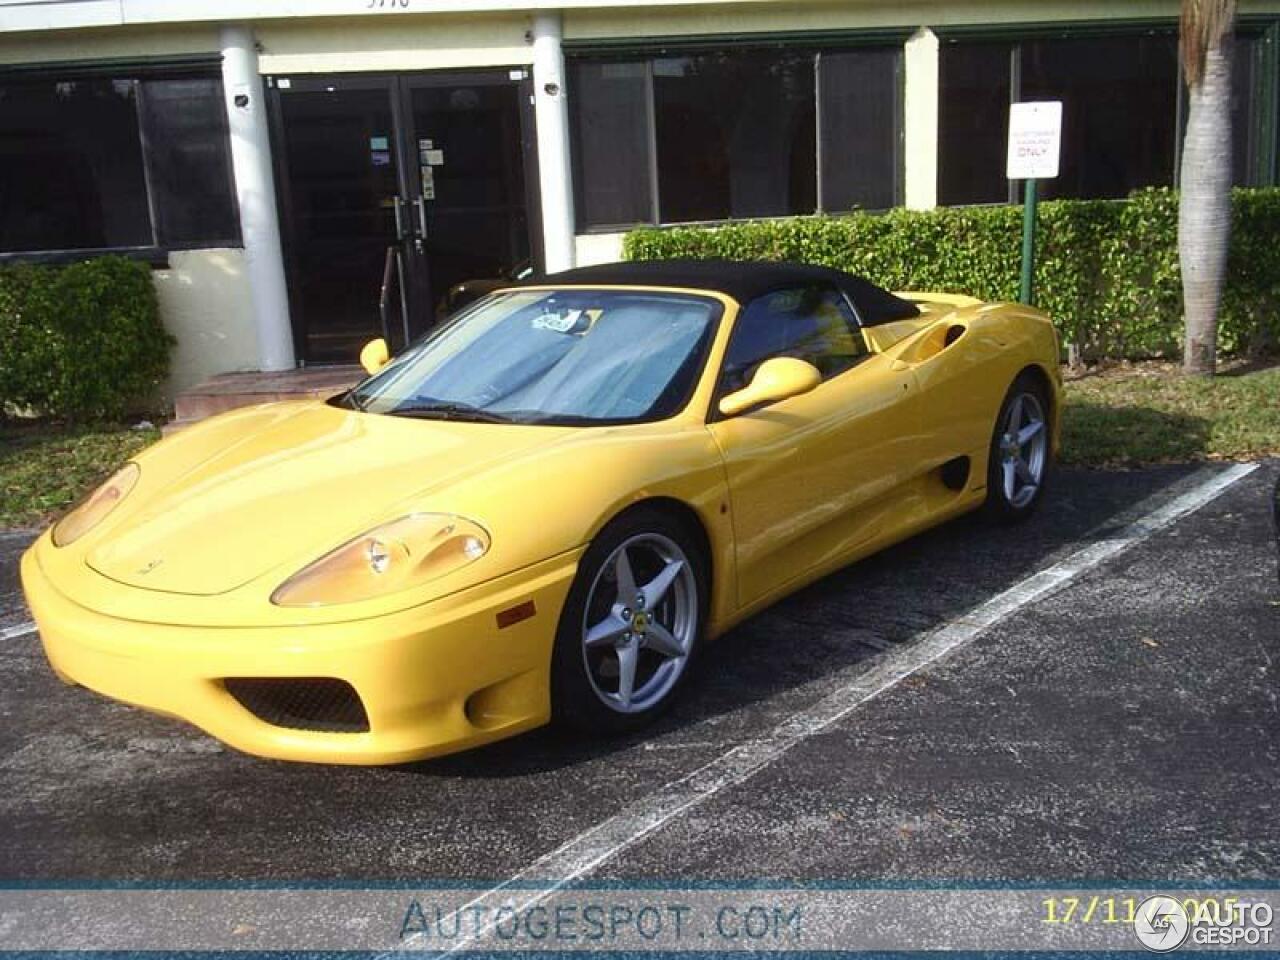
[398, 86]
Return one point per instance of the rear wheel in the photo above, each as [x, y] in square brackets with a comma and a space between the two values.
[631, 625]
[1020, 452]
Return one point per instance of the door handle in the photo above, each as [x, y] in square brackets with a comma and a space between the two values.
[420, 205]
[397, 206]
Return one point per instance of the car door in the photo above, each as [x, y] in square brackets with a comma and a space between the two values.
[812, 476]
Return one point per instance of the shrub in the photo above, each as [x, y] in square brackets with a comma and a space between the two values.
[82, 341]
[1106, 270]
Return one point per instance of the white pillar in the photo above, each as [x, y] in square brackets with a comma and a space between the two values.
[551, 111]
[255, 190]
[921, 108]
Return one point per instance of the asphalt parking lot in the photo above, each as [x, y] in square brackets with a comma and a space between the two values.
[1124, 727]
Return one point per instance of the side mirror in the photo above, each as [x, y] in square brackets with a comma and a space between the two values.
[374, 356]
[777, 379]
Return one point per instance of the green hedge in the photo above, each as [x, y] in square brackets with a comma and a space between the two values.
[82, 341]
[1107, 270]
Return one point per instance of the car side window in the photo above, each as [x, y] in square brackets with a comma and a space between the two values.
[813, 323]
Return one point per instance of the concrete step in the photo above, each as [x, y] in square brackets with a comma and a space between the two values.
[229, 391]
[173, 426]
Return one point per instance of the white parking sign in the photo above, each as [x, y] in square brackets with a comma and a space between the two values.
[1035, 140]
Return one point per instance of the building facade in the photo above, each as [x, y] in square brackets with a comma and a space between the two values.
[303, 175]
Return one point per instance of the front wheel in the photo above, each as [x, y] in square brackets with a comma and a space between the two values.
[1020, 452]
[630, 626]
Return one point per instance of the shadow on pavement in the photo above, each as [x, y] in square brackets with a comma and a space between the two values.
[849, 617]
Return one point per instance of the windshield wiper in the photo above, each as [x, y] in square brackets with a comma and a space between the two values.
[350, 401]
[450, 411]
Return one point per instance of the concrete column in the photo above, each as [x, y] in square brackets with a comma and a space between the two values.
[551, 111]
[255, 190]
[921, 108]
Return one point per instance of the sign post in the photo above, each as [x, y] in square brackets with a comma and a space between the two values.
[1035, 147]
[1030, 201]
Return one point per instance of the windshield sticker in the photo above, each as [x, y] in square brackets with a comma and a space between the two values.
[566, 322]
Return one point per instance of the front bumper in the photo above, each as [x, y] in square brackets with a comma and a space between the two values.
[433, 679]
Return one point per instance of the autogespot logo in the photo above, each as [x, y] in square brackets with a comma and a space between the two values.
[1161, 924]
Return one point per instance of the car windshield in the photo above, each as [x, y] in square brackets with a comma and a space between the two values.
[563, 356]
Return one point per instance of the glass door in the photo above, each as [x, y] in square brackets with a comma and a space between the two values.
[468, 164]
[392, 190]
[342, 192]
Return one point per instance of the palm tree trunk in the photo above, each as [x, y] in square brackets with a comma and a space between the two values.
[1204, 211]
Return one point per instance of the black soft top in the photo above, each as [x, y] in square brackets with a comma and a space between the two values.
[742, 280]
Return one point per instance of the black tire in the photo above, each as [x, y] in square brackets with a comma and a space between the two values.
[576, 701]
[999, 507]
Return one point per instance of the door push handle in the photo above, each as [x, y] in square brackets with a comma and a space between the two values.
[397, 206]
[420, 228]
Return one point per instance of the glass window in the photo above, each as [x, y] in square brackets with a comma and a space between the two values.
[1120, 110]
[187, 160]
[973, 120]
[813, 324]
[566, 356]
[859, 93]
[1104, 83]
[1246, 132]
[613, 155]
[71, 174]
[735, 135]
[92, 162]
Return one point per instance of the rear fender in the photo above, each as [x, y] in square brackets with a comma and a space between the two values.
[964, 362]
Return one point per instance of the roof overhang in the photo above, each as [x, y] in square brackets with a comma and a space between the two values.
[17, 15]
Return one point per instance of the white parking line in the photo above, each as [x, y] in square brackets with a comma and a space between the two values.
[21, 630]
[585, 852]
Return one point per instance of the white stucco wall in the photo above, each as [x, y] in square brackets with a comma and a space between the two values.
[121, 43]
[593, 248]
[920, 117]
[205, 303]
[437, 42]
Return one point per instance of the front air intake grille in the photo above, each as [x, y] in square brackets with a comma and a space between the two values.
[302, 703]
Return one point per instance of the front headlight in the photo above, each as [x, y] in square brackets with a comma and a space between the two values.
[395, 556]
[91, 511]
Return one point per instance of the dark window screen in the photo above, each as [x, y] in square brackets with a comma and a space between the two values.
[1119, 96]
[1245, 133]
[860, 107]
[1120, 107]
[973, 122]
[187, 159]
[71, 173]
[612, 140]
[735, 135]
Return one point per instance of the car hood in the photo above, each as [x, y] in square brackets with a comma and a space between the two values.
[223, 503]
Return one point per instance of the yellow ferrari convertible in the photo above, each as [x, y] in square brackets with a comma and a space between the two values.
[543, 509]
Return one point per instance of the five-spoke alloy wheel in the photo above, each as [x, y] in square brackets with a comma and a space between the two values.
[631, 625]
[1020, 451]
[637, 633]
